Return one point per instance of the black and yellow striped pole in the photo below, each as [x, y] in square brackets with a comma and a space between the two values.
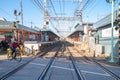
[119, 32]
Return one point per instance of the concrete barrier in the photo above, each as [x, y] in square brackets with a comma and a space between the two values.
[31, 46]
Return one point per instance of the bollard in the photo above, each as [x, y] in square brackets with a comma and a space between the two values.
[32, 48]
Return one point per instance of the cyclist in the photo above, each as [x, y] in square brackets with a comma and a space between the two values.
[14, 44]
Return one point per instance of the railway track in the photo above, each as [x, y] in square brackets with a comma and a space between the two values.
[20, 66]
[112, 74]
[77, 70]
[47, 72]
[79, 74]
[14, 70]
[47, 67]
[52, 69]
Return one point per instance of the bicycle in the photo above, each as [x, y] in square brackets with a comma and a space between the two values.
[16, 55]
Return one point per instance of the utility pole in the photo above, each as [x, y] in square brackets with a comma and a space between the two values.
[31, 24]
[81, 12]
[80, 18]
[97, 16]
[45, 14]
[22, 20]
[45, 21]
[112, 25]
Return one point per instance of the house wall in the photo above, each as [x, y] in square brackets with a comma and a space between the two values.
[103, 37]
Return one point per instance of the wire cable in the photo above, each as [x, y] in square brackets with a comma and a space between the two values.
[6, 13]
[39, 5]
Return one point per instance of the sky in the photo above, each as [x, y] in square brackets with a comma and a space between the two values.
[92, 11]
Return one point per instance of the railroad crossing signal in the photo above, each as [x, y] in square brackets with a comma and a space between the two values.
[15, 31]
[15, 24]
[116, 25]
[119, 32]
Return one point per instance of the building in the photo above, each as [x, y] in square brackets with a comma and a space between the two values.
[23, 32]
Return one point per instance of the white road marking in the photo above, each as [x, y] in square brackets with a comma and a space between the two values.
[95, 73]
[73, 69]
[63, 68]
[38, 64]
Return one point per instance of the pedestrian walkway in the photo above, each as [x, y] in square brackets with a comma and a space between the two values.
[3, 55]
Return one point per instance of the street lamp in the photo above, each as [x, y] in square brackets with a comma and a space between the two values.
[112, 25]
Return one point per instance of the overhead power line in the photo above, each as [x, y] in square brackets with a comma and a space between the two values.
[85, 5]
[60, 7]
[39, 5]
[6, 12]
[53, 8]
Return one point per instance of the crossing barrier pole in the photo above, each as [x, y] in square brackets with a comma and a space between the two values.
[119, 32]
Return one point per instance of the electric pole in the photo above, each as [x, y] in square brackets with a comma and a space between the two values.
[22, 20]
[31, 24]
[81, 12]
[45, 14]
[112, 25]
[45, 21]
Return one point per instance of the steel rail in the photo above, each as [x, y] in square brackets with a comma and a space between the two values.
[106, 70]
[12, 71]
[102, 67]
[42, 53]
[47, 67]
[19, 67]
[78, 72]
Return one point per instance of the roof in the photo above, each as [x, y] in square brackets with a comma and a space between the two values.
[27, 28]
[6, 24]
[9, 25]
[105, 21]
[49, 31]
[3, 19]
[79, 28]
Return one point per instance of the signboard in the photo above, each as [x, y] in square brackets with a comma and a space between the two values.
[2, 36]
[4, 25]
[107, 32]
[8, 34]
